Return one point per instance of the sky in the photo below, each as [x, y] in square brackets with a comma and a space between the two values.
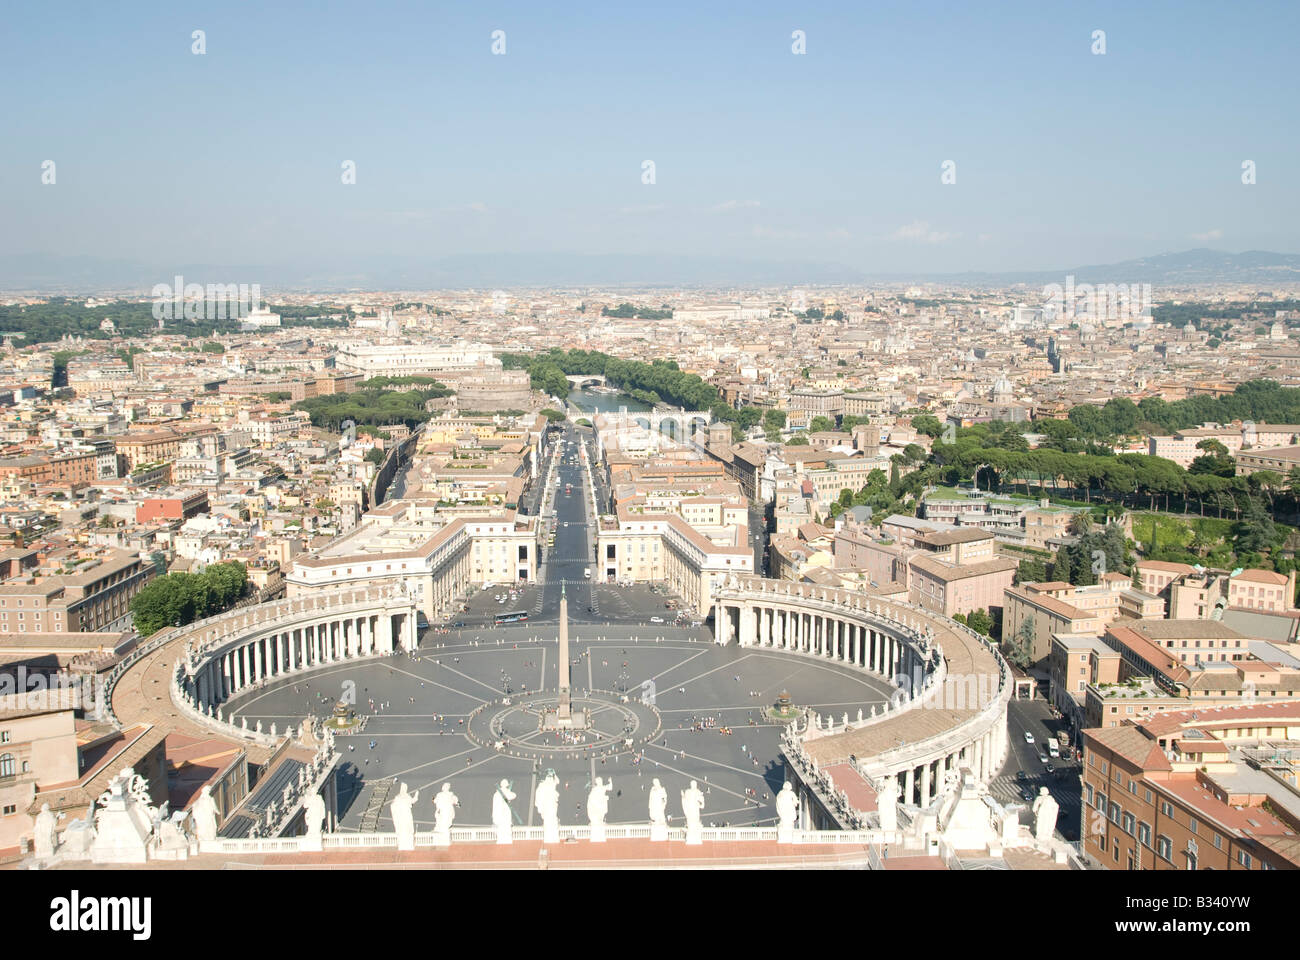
[1062, 156]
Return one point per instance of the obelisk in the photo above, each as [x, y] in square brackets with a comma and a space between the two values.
[563, 712]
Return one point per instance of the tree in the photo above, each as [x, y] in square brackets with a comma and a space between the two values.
[1032, 570]
[980, 622]
[181, 598]
[928, 424]
[1020, 650]
[1256, 532]
[374, 455]
[774, 420]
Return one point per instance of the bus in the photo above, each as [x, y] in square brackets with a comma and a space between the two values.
[568, 489]
[516, 617]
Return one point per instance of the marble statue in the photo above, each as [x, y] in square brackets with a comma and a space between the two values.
[444, 812]
[315, 817]
[658, 811]
[692, 805]
[46, 836]
[859, 714]
[403, 820]
[1045, 812]
[787, 809]
[598, 808]
[887, 805]
[547, 803]
[846, 718]
[502, 815]
[204, 813]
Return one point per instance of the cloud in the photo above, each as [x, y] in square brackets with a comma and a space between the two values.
[918, 231]
[647, 208]
[1208, 235]
[735, 205]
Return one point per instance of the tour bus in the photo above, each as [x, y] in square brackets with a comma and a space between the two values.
[516, 617]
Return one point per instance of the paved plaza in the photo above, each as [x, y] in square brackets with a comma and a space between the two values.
[423, 704]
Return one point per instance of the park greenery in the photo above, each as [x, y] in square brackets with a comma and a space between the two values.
[181, 598]
[373, 406]
[629, 311]
[60, 316]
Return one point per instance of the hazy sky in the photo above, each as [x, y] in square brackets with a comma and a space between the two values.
[1062, 157]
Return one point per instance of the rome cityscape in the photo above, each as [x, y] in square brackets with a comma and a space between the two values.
[486, 462]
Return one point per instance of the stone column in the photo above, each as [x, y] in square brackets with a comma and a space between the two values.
[925, 783]
[909, 785]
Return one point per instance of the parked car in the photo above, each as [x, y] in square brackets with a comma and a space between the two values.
[1029, 737]
[656, 619]
[1021, 775]
[1027, 795]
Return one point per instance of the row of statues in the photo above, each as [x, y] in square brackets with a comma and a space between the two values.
[546, 801]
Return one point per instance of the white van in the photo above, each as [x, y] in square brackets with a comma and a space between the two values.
[587, 574]
[1052, 748]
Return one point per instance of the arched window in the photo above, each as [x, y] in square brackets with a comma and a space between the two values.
[7, 765]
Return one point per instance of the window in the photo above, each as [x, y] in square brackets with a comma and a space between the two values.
[1164, 847]
[1144, 834]
[1243, 858]
[1128, 824]
[7, 765]
[4, 736]
[9, 810]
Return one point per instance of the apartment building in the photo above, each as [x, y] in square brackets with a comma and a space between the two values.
[957, 572]
[437, 560]
[37, 746]
[82, 592]
[1277, 459]
[650, 548]
[1194, 790]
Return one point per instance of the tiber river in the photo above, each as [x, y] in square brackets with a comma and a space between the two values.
[590, 401]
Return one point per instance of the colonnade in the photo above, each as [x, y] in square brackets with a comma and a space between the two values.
[930, 658]
[317, 636]
[834, 636]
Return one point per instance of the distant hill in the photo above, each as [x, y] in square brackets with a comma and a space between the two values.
[88, 275]
[84, 275]
[1188, 268]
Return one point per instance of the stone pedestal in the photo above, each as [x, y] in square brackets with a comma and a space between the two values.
[785, 834]
[77, 839]
[659, 832]
[311, 843]
[694, 835]
[550, 832]
[597, 833]
[442, 838]
[122, 832]
[505, 835]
